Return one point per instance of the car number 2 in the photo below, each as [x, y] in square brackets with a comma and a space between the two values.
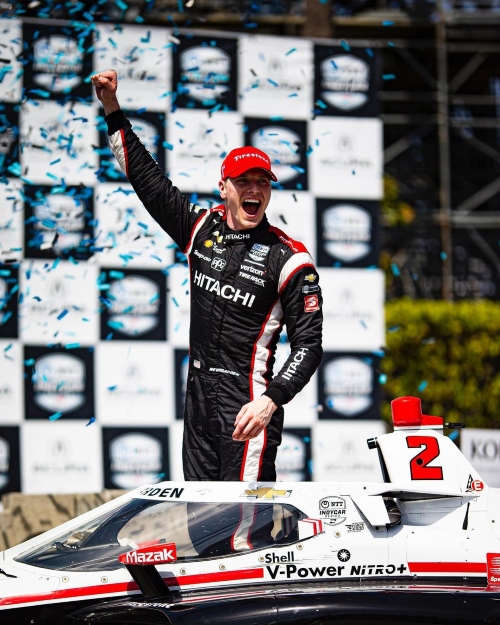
[419, 468]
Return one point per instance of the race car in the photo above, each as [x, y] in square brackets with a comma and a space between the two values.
[421, 547]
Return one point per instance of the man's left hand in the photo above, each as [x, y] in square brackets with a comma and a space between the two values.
[253, 418]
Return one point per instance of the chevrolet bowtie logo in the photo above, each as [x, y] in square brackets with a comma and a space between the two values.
[266, 493]
[310, 277]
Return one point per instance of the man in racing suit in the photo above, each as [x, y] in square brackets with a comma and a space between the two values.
[248, 279]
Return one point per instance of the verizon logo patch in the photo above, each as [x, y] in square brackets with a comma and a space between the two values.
[158, 554]
[311, 303]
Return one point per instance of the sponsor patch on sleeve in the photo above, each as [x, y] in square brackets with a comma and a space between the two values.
[311, 303]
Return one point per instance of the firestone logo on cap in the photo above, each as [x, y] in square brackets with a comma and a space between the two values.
[253, 155]
[242, 159]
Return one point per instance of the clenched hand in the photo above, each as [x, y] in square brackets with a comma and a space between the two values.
[253, 418]
[106, 84]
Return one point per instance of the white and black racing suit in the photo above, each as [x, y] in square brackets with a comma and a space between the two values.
[245, 285]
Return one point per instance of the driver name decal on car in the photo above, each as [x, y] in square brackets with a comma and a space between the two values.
[164, 493]
[157, 554]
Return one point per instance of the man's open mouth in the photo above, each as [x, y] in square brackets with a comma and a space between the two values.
[251, 207]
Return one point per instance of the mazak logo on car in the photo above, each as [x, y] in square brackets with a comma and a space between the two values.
[59, 383]
[135, 305]
[347, 232]
[345, 81]
[332, 510]
[156, 554]
[57, 63]
[348, 385]
[282, 145]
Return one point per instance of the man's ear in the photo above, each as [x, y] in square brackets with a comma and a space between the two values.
[222, 189]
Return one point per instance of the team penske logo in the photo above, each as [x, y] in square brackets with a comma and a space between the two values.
[156, 554]
[259, 252]
[266, 493]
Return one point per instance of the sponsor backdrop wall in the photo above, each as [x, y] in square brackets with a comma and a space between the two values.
[94, 297]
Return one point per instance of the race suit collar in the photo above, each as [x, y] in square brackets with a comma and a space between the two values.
[233, 236]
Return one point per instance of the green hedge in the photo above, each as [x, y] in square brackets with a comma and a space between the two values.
[448, 354]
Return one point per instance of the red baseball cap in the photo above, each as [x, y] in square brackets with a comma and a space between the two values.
[240, 160]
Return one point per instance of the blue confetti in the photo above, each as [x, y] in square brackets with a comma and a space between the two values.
[395, 269]
[55, 416]
[382, 378]
[91, 420]
[62, 314]
[422, 386]
[116, 325]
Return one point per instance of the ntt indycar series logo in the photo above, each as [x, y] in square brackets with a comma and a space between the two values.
[205, 72]
[59, 384]
[57, 63]
[64, 214]
[4, 462]
[282, 145]
[348, 386]
[345, 81]
[156, 554]
[136, 304]
[332, 510]
[347, 232]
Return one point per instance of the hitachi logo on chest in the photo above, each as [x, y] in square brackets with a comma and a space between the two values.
[226, 290]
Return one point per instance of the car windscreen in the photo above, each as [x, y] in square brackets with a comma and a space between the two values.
[199, 530]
